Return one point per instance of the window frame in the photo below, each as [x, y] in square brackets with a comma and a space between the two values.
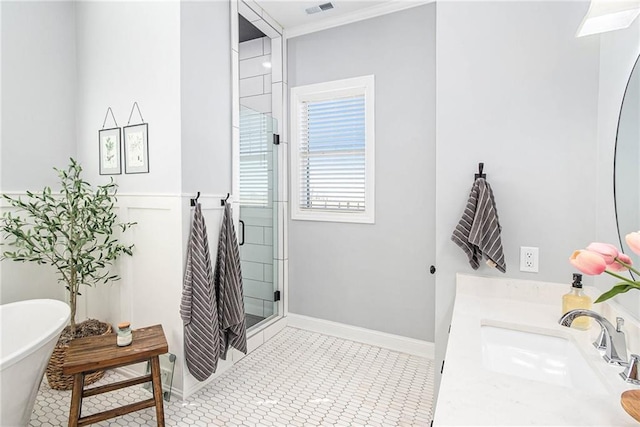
[364, 85]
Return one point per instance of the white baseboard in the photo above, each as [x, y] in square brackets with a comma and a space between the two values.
[366, 336]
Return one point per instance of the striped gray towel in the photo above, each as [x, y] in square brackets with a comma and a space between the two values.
[478, 231]
[228, 284]
[198, 307]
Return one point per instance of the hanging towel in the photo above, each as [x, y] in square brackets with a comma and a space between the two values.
[198, 307]
[228, 285]
[478, 231]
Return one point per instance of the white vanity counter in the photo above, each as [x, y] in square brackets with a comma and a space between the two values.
[472, 393]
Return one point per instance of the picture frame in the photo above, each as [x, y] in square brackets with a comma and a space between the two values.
[136, 148]
[109, 151]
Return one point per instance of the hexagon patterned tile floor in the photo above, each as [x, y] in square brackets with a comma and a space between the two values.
[298, 378]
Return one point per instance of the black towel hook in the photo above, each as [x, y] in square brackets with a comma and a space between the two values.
[480, 174]
[224, 202]
[194, 201]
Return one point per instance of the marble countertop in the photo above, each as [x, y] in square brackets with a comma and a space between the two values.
[471, 395]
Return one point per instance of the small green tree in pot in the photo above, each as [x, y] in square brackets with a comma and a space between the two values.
[72, 231]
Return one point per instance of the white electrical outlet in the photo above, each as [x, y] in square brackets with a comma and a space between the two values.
[528, 259]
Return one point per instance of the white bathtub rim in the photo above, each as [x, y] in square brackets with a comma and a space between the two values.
[51, 331]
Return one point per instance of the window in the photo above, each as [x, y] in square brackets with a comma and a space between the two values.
[332, 151]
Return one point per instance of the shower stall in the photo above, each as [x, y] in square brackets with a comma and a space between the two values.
[257, 160]
[258, 232]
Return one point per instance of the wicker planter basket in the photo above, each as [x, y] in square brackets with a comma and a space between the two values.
[56, 379]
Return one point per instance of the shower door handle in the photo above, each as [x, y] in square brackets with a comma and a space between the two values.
[242, 229]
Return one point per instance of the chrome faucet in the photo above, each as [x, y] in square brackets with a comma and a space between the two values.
[631, 373]
[611, 338]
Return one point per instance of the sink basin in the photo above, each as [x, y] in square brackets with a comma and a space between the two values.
[538, 357]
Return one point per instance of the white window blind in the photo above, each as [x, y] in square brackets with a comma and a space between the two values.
[333, 157]
[255, 149]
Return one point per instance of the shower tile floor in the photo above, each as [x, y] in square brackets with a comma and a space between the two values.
[253, 320]
[298, 378]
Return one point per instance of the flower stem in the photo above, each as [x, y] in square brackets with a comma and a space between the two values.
[628, 266]
[621, 277]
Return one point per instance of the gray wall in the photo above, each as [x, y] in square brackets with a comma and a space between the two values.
[205, 87]
[524, 101]
[38, 92]
[376, 276]
[37, 122]
[130, 52]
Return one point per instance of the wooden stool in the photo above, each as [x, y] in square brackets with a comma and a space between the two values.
[90, 354]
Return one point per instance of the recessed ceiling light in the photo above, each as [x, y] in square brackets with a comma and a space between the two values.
[266, 64]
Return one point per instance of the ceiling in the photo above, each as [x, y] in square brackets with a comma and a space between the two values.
[292, 13]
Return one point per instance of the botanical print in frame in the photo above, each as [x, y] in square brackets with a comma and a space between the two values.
[136, 149]
[109, 151]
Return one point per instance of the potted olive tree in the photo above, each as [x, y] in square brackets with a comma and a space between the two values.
[72, 231]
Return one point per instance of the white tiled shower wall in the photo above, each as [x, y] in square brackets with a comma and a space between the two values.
[257, 253]
[255, 77]
[257, 257]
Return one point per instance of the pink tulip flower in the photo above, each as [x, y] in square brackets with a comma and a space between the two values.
[588, 262]
[625, 258]
[633, 240]
[617, 267]
[608, 252]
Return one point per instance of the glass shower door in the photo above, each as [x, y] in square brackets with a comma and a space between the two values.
[258, 214]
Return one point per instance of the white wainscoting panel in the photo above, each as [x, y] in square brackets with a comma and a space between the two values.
[151, 285]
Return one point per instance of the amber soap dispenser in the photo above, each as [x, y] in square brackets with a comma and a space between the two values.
[576, 298]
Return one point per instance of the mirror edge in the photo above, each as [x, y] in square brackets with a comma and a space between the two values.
[615, 152]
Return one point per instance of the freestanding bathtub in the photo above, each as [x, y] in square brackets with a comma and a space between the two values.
[29, 331]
